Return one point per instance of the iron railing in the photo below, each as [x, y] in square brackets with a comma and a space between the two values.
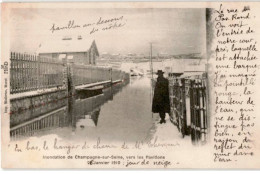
[31, 72]
[188, 98]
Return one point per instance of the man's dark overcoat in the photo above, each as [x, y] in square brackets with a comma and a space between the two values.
[161, 101]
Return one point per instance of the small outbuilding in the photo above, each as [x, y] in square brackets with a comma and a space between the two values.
[80, 50]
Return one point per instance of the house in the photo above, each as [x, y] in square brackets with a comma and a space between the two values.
[81, 51]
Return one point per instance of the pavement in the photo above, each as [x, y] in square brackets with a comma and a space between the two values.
[167, 132]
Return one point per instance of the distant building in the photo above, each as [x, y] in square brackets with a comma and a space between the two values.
[79, 50]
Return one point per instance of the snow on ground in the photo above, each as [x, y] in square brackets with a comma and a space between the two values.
[185, 154]
[167, 132]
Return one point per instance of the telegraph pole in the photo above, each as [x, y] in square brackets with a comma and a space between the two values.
[151, 68]
[151, 58]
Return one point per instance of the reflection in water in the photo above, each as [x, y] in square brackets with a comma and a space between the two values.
[121, 113]
[52, 120]
[88, 120]
[88, 108]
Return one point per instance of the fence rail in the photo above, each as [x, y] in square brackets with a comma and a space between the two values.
[31, 72]
[117, 75]
[84, 74]
[188, 107]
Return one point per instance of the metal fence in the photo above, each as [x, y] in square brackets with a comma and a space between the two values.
[198, 99]
[31, 72]
[189, 106]
[84, 74]
[117, 75]
[178, 101]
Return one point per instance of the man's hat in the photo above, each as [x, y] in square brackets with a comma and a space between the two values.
[159, 72]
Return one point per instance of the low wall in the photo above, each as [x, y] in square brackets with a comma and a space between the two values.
[23, 109]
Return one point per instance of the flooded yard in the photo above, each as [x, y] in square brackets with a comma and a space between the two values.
[120, 113]
[125, 117]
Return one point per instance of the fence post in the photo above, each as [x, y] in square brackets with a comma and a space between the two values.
[39, 73]
[70, 92]
[203, 108]
[11, 74]
[192, 112]
[111, 78]
[184, 116]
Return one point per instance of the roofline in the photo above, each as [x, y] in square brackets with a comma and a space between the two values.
[94, 42]
[64, 52]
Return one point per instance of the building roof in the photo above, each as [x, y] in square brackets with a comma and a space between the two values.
[66, 46]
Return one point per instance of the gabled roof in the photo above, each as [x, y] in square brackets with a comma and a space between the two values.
[66, 46]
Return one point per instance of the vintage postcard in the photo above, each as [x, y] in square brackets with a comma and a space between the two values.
[130, 85]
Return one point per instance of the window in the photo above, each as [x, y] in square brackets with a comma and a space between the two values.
[62, 56]
[70, 57]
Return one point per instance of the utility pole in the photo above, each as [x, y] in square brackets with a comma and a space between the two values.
[151, 68]
[151, 58]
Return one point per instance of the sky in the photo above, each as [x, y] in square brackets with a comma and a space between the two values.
[171, 31]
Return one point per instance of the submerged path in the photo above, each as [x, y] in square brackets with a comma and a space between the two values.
[124, 115]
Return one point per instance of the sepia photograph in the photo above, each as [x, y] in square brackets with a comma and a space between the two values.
[113, 74]
[108, 85]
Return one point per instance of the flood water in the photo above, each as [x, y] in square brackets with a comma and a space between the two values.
[127, 117]
[121, 113]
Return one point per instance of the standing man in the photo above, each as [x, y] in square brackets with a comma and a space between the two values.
[161, 101]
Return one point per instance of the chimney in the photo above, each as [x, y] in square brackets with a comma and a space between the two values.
[66, 38]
